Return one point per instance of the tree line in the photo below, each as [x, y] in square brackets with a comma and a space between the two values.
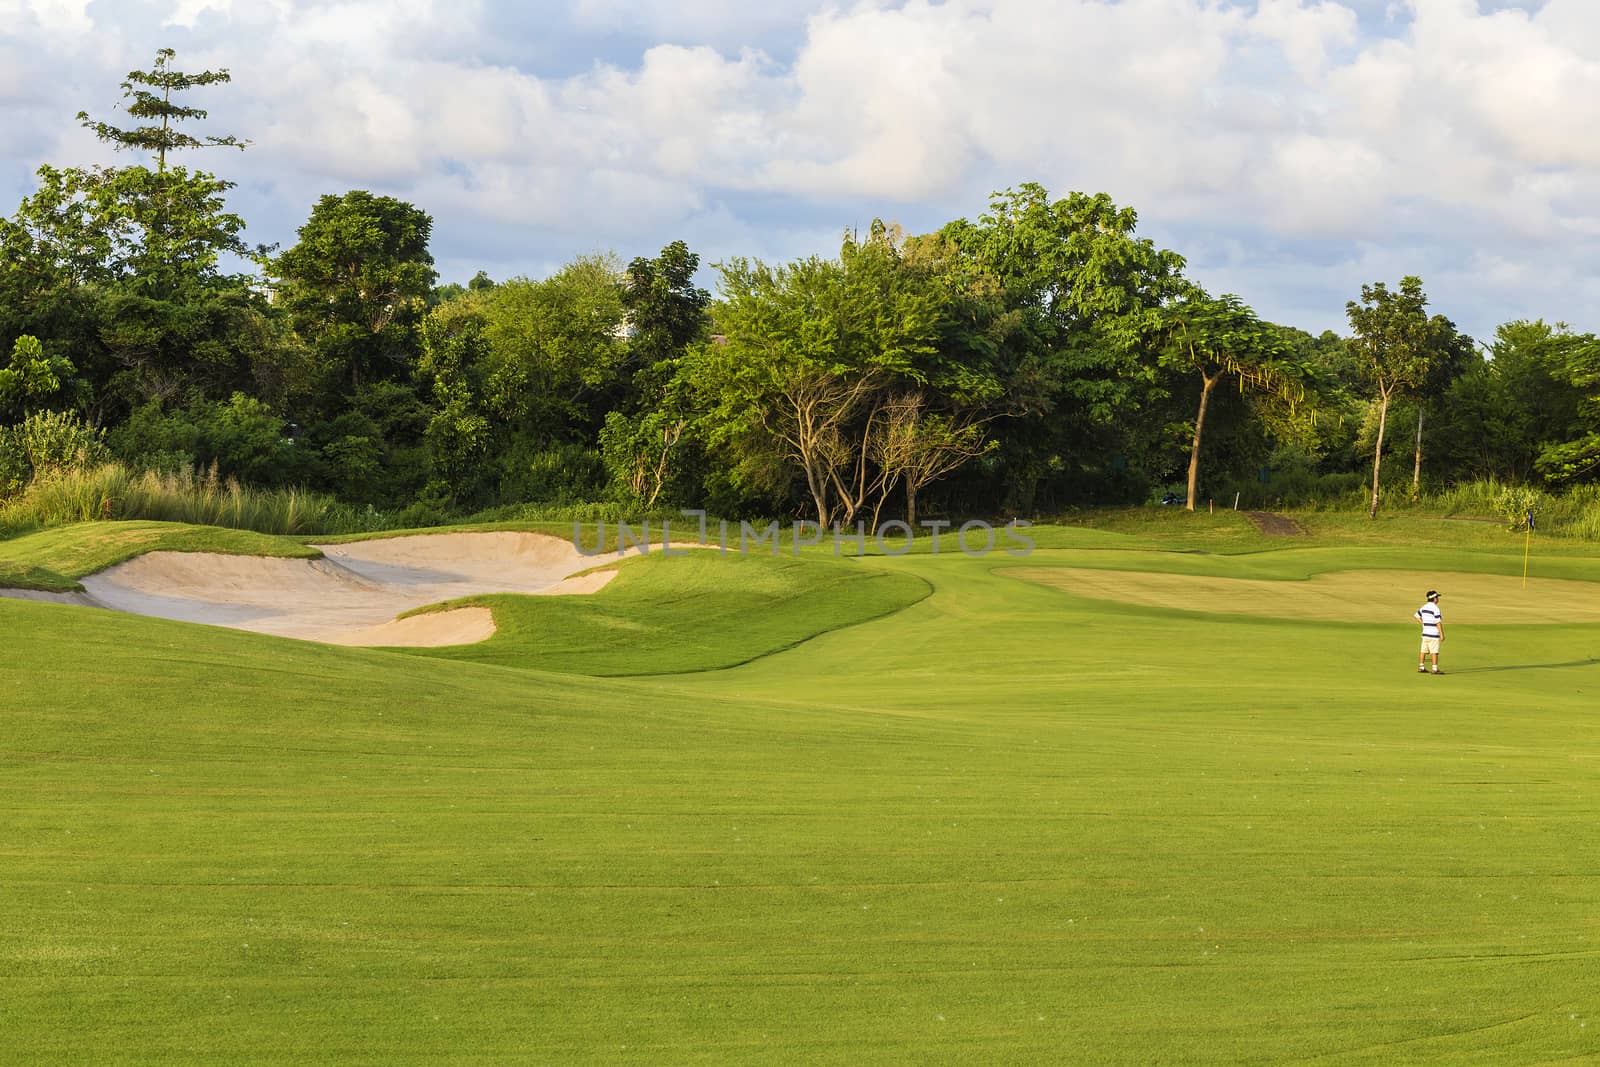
[1039, 357]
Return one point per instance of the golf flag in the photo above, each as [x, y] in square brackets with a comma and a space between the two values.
[1527, 539]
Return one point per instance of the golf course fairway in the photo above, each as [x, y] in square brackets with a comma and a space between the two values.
[928, 808]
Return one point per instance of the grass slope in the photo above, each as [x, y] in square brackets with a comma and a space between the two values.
[1002, 825]
[53, 560]
[700, 611]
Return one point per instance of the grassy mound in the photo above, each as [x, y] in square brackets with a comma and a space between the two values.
[53, 560]
[701, 611]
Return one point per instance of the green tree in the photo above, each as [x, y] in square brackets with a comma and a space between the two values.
[443, 294]
[356, 285]
[148, 96]
[1218, 338]
[124, 226]
[514, 371]
[640, 453]
[33, 381]
[55, 441]
[120, 269]
[665, 310]
[1450, 355]
[1087, 296]
[1394, 340]
[377, 452]
[642, 440]
[916, 446]
[1321, 434]
[454, 353]
[554, 345]
[809, 352]
[175, 216]
[1577, 457]
[1533, 364]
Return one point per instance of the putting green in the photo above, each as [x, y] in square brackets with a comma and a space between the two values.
[1339, 596]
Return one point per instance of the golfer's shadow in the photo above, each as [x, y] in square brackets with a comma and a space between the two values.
[1527, 666]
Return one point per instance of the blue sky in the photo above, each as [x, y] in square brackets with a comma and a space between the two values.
[1291, 149]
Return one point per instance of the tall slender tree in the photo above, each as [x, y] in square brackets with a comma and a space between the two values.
[642, 436]
[1392, 340]
[149, 97]
[1218, 338]
[1450, 354]
[122, 270]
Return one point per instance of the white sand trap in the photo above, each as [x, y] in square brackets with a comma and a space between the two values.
[458, 626]
[354, 595]
[1344, 596]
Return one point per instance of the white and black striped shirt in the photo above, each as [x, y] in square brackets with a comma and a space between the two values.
[1430, 617]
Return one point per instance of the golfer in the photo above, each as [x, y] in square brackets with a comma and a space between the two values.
[1432, 631]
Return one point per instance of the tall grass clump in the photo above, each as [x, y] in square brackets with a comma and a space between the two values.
[112, 491]
[1573, 513]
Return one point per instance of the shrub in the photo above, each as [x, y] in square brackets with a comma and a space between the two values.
[1575, 513]
[14, 468]
[155, 439]
[1515, 503]
[563, 473]
[433, 507]
[241, 436]
[56, 441]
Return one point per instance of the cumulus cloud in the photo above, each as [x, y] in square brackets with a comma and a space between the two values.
[726, 24]
[53, 17]
[1291, 147]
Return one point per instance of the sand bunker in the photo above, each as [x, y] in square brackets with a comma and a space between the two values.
[458, 626]
[1343, 596]
[354, 595]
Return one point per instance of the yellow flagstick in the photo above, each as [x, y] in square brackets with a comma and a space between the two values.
[1527, 539]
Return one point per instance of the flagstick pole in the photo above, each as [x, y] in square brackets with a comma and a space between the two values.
[1526, 540]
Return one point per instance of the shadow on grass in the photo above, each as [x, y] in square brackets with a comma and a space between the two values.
[1527, 666]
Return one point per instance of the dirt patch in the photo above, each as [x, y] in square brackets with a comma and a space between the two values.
[1272, 525]
[1341, 596]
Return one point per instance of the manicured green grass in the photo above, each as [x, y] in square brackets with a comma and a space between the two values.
[1226, 531]
[1001, 825]
[696, 612]
[52, 560]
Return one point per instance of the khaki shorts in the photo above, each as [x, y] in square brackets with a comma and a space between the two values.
[1430, 645]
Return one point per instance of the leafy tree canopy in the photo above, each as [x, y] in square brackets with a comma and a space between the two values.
[356, 284]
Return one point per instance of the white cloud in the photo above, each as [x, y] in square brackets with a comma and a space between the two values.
[724, 23]
[1448, 139]
[55, 17]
